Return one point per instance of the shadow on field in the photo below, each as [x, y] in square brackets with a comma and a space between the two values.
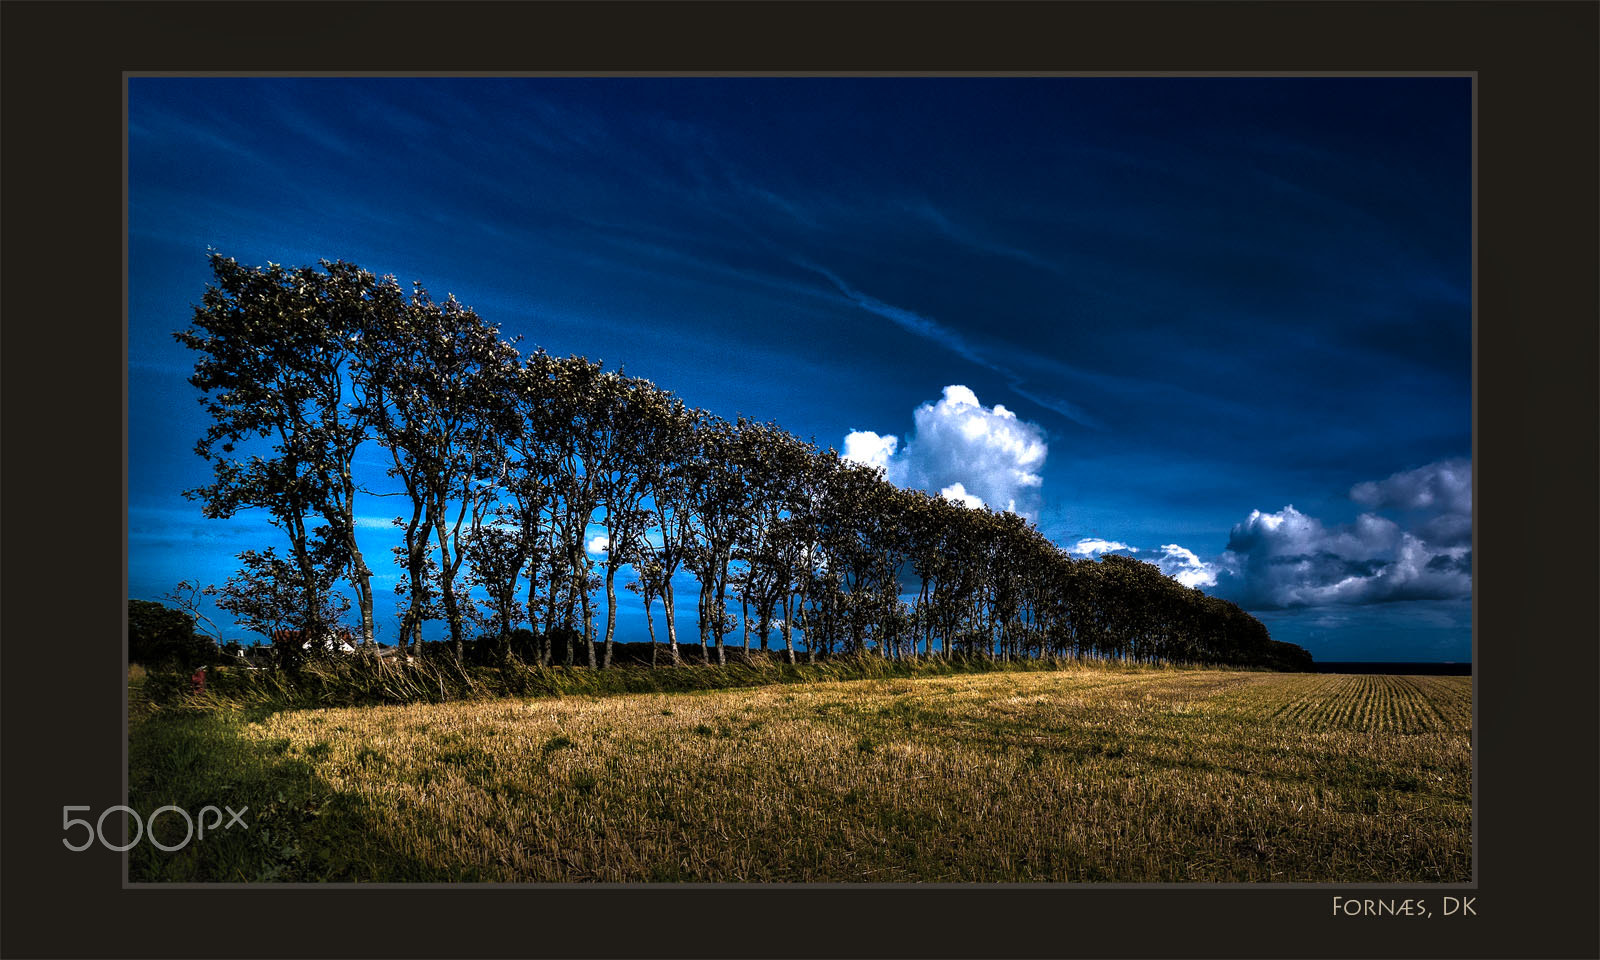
[297, 827]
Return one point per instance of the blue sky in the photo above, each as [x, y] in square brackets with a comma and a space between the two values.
[1148, 312]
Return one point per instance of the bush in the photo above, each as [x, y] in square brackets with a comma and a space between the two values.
[161, 636]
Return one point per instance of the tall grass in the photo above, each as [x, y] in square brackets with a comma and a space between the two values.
[370, 681]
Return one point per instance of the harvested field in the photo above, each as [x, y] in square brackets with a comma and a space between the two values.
[1080, 774]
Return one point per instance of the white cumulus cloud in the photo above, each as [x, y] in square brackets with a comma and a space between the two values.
[1182, 565]
[1089, 546]
[958, 492]
[866, 447]
[989, 453]
[599, 544]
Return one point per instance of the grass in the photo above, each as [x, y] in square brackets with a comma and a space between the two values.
[1075, 774]
[364, 681]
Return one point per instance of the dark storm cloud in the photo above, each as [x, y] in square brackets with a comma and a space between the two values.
[1445, 486]
[1286, 559]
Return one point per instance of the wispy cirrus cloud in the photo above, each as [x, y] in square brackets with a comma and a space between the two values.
[952, 340]
[971, 238]
[908, 320]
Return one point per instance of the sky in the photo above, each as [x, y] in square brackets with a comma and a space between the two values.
[1219, 324]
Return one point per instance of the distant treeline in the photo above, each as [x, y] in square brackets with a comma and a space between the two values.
[501, 464]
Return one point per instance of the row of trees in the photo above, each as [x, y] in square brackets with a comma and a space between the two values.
[504, 466]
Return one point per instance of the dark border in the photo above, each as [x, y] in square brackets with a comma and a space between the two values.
[1535, 454]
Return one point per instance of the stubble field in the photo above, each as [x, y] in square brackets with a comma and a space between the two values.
[1081, 774]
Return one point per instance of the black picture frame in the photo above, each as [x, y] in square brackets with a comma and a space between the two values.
[62, 406]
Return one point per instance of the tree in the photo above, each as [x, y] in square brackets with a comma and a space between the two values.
[419, 599]
[187, 596]
[666, 478]
[528, 490]
[495, 557]
[443, 385]
[577, 442]
[797, 538]
[622, 433]
[715, 497]
[759, 453]
[279, 367]
[267, 595]
[924, 533]
[648, 585]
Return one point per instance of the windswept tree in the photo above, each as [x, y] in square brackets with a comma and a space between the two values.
[445, 414]
[279, 351]
[496, 555]
[716, 506]
[509, 466]
[797, 539]
[648, 585]
[925, 528]
[665, 476]
[886, 540]
[528, 493]
[852, 495]
[418, 599]
[621, 428]
[267, 595]
[578, 448]
[759, 452]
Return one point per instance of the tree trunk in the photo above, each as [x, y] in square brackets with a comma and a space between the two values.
[588, 626]
[551, 599]
[744, 618]
[541, 636]
[611, 610]
[788, 635]
[569, 602]
[447, 586]
[764, 611]
[308, 572]
[364, 600]
[705, 613]
[452, 614]
[811, 630]
[669, 606]
[360, 574]
[721, 609]
[416, 569]
[650, 623]
[569, 648]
